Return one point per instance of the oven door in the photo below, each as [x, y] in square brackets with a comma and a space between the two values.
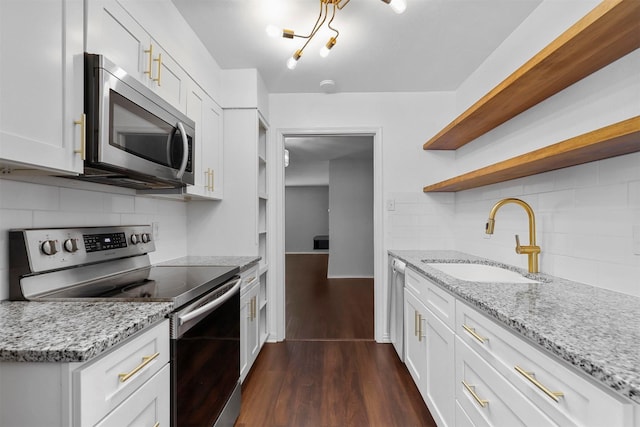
[205, 359]
[130, 128]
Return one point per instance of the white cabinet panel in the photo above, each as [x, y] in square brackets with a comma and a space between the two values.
[487, 398]
[41, 82]
[439, 387]
[148, 406]
[414, 341]
[249, 324]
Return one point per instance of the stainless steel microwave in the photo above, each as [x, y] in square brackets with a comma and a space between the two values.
[134, 138]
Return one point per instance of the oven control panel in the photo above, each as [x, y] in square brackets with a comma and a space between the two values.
[56, 248]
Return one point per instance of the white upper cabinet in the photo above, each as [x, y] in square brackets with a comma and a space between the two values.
[114, 33]
[209, 147]
[41, 85]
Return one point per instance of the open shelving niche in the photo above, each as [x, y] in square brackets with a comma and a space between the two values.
[262, 227]
[607, 33]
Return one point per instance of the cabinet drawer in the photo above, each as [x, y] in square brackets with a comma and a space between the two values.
[440, 302]
[99, 386]
[148, 406]
[487, 398]
[581, 403]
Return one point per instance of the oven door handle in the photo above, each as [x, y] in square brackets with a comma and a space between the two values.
[185, 151]
[210, 306]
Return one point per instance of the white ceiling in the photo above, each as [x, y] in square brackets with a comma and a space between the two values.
[434, 46]
[323, 148]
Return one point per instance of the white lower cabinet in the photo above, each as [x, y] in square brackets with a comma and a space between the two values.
[488, 398]
[148, 406]
[129, 385]
[473, 371]
[249, 321]
[566, 397]
[429, 342]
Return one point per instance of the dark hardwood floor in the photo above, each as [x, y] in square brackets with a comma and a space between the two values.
[329, 371]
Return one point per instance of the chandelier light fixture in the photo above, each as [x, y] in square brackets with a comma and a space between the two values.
[398, 6]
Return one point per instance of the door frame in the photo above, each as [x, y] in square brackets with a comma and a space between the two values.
[278, 315]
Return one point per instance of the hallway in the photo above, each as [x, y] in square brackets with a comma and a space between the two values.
[329, 372]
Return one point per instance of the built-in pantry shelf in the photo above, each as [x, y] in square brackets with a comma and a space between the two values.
[607, 33]
[610, 141]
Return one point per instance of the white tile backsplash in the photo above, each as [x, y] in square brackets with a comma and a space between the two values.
[28, 205]
[584, 222]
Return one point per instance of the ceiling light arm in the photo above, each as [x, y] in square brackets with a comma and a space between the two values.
[317, 26]
[331, 20]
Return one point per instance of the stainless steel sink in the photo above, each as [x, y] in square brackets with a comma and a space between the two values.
[480, 273]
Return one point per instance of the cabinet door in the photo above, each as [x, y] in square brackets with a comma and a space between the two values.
[414, 339]
[41, 82]
[112, 32]
[167, 78]
[212, 147]
[208, 117]
[249, 324]
[440, 374]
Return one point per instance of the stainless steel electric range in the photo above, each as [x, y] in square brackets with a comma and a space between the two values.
[112, 264]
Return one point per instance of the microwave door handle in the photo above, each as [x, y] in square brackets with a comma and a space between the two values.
[185, 151]
[210, 306]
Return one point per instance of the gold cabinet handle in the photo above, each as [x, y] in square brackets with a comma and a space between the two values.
[83, 142]
[150, 52]
[211, 175]
[159, 61]
[145, 361]
[554, 395]
[474, 334]
[156, 424]
[470, 389]
[254, 308]
[415, 322]
[420, 336]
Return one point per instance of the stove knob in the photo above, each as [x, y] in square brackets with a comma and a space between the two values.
[135, 239]
[146, 238]
[71, 245]
[49, 247]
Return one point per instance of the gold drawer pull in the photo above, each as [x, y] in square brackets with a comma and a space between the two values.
[470, 389]
[159, 61]
[474, 334]
[156, 424]
[555, 395]
[150, 52]
[420, 336]
[415, 323]
[145, 361]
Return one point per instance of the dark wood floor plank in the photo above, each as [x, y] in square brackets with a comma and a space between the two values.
[331, 374]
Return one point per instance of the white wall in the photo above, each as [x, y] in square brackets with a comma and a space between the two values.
[29, 205]
[307, 215]
[307, 173]
[586, 215]
[351, 218]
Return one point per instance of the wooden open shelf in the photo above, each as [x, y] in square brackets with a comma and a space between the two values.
[610, 141]
[607, 33]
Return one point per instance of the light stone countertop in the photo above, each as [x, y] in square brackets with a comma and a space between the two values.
[70, 331]
[243, 262]
[593, 329]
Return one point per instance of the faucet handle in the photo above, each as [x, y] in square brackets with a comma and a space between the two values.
[518, 247]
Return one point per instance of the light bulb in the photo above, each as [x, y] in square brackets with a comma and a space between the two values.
[273, 31]
[324, 52]
[398, 6]
[293, 61]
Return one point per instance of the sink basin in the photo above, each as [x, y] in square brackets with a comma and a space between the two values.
[480, 273]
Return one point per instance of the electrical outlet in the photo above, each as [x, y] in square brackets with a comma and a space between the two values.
[391, 205]
[636, 239]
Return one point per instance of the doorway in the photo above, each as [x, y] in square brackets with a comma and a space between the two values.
[311, 166]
